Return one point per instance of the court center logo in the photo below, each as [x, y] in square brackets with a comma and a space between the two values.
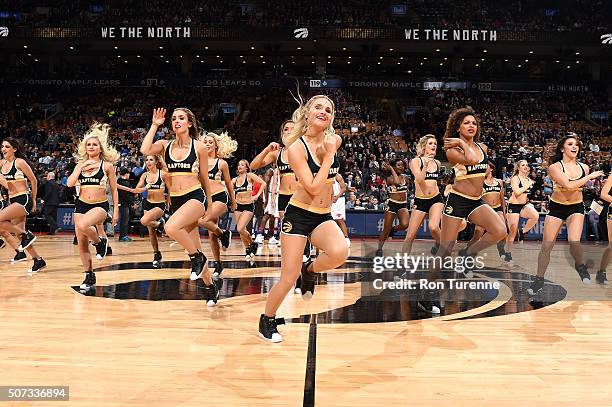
[466, 298]
[4, 31]
[606, 39]
[300, 32]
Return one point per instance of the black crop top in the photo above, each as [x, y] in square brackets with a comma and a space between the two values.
[469, 171]
[314, 167]
[491, 189]
[283, 167]
[431, 175]
[96, 180]
[186, 166]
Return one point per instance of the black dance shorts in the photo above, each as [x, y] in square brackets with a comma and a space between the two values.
[178, 201]
[515, 208]
[395, 207]
[24, 200]
[220, 196]
[147, 206]
[84, 207]
[561, 211]
[245, 207]
[425, 204]
[460, 206]
[302, 222]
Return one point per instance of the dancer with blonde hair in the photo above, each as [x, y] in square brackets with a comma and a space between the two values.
[92, 173]
[311, 148]
[218, 147]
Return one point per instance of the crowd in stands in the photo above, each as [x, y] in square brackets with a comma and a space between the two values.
[567, 15]
[514, 126]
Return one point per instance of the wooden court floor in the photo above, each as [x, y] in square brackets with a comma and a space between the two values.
[144, 337]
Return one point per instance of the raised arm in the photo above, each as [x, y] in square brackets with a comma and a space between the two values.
[562, 179]
[516, 191]
[266, 156]
[148, 146]
[458, 152]
[313, 185]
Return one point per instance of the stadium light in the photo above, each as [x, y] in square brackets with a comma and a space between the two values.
[299, 48]
[390, 49]
[71, 47]
[116, 47]
[577, 53]
[25, 46]
[437, 49]
[485, 51]
[251, 48]
[409, 71]
[531, 52]
[160, 47]
[206, 47]
[343, 48]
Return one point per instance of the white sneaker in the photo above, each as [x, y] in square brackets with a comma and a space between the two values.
[259, 239]
[273, 240]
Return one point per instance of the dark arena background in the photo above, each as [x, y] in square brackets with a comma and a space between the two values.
[383, 327]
